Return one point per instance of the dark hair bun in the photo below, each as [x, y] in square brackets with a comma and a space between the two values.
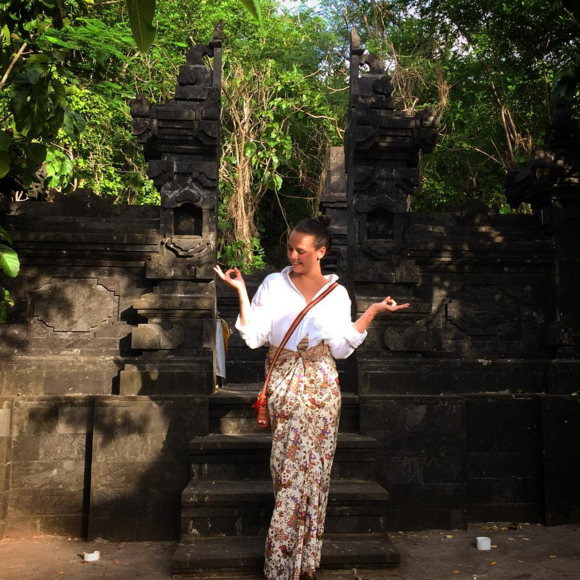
[317, 227]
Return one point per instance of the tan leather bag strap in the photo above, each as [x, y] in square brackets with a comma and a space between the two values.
[291, 331]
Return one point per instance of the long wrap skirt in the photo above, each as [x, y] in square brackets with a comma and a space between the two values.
[304, 408]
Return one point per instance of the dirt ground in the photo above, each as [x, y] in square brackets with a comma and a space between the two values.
[533, 552]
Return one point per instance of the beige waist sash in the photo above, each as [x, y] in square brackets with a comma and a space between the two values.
[309, 354]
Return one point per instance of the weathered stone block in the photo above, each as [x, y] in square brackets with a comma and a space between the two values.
[409, 339]
[558, 516]
[25, 381]
[155, 337]
[561, 477]
[34, 420]
[141, 462]
[449, 469]
[49, 502]
[75, 419]
[107, 502]
[434, 414]
[49, 447]
[423, 444]
[164, 381]
[5, 415]
[502, 412]
[139, 447]
[503, 512]
[157, 529]
[61, 525]
[502, 440]
[501, 465]
[89, 380]
[162, 502]
[563, 443]
[563, 377]
[66, 475]
[4, 449]
[401, 470]
[139, 475]
[78, 305]
[512, 490]
[560, 413]
[444, 496]
[421, 519]
[515, 380]
[125, 415]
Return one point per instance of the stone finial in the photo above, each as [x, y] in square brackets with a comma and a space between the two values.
[355, 48]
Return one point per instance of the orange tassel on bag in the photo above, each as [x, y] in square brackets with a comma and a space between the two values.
[261, 410]
[261, 405]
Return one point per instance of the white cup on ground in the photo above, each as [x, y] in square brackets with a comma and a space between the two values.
[483, 543]
[91, 556]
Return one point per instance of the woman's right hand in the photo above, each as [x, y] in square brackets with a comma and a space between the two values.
[236, 282]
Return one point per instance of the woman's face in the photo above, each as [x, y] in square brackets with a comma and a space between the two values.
[302, 254]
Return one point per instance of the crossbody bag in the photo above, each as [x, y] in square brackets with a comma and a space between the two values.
[261, 405]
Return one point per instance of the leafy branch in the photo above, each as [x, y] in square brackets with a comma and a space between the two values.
[10, 266]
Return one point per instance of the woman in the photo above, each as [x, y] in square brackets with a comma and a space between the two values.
[303, 394]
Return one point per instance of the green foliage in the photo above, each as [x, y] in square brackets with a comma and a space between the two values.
[277, 125]
[492, 68]
[488, 65]
[33, 109]
[9, 262]
[141, 13]
[9, 266]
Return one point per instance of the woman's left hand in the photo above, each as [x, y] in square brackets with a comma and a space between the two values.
[389, 305]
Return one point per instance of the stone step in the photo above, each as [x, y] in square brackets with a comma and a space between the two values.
[244, 508]
[230, 410]
[236, 556]
[246, 456]
[237, 493]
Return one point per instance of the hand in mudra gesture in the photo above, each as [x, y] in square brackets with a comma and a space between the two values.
[231, 277]
[389, 305]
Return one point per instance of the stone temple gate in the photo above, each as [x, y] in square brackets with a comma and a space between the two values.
[463, 408]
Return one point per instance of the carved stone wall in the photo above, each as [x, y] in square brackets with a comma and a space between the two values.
[181, 144]
[106, 362]
[458, 387]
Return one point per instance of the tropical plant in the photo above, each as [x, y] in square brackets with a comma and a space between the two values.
[9, 266]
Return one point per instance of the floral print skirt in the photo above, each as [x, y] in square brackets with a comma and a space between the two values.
[304, 408]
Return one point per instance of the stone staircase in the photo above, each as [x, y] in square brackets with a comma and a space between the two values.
[226, 507]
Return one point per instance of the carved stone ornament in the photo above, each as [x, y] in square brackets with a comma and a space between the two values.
[169, 264]
[74, 305]
[195, 247]
[174, 194]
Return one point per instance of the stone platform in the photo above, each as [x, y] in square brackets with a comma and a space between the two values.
[227, 506]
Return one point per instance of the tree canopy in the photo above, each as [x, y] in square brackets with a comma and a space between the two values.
[68, 69]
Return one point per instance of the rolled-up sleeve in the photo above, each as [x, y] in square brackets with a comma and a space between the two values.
[345, 337]
[258, 328]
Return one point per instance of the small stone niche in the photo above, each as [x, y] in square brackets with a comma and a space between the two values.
[380, 225]
[188, 220]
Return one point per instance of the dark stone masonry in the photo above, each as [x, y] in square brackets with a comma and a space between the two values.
[106, 363]
[463, 408]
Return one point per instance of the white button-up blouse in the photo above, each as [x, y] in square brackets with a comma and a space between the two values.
[278, 302]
